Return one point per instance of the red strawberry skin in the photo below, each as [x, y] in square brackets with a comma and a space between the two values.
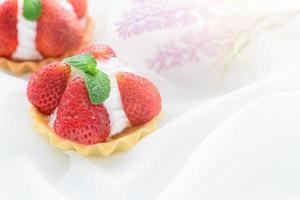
[80, 7]
[99, 51]
[46, 86]
[8, 27]
[58, 31]
[78, 119]
[140, 98]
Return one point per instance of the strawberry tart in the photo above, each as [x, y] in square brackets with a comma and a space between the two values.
[93, 103]
[36, 32]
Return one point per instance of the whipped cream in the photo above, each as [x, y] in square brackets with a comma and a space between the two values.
[51, 119]
[112, 66]
[66, 5]
[26, 29]
[113, 104]
[69, 7]
[83, 21]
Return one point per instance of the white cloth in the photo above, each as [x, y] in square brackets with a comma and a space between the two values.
[233, 136]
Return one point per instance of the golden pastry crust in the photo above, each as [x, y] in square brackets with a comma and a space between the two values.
[32, 66]
[121, 142]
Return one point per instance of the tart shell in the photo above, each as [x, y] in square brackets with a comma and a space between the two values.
[122, 142]
[21, 67]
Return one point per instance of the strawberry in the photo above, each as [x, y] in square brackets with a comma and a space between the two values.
[99, 51]
[80, 7]
[58, 31]
[140, 98]
[78, 119]
[46, 86]
[8, 27]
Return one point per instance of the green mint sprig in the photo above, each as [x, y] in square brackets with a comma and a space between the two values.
[83, 62]
[32, 9]
[96, 81]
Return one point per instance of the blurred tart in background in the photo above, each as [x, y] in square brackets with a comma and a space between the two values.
[35, 32]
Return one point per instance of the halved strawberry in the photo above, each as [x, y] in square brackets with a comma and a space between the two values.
[99, 51]
[80, 7]
[8, 27]
[58, 31]
[78, 119]
[141, 99]
[46, 86]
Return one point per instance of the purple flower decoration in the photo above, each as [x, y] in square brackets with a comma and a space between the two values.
[198, 46]
[151, 15]
[217, 30]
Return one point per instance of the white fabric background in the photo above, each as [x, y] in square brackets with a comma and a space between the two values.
[235, 137]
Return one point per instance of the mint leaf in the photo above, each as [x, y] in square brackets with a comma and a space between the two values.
[97, 82]
[83, 62]
[98, 86]
[32, 9]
